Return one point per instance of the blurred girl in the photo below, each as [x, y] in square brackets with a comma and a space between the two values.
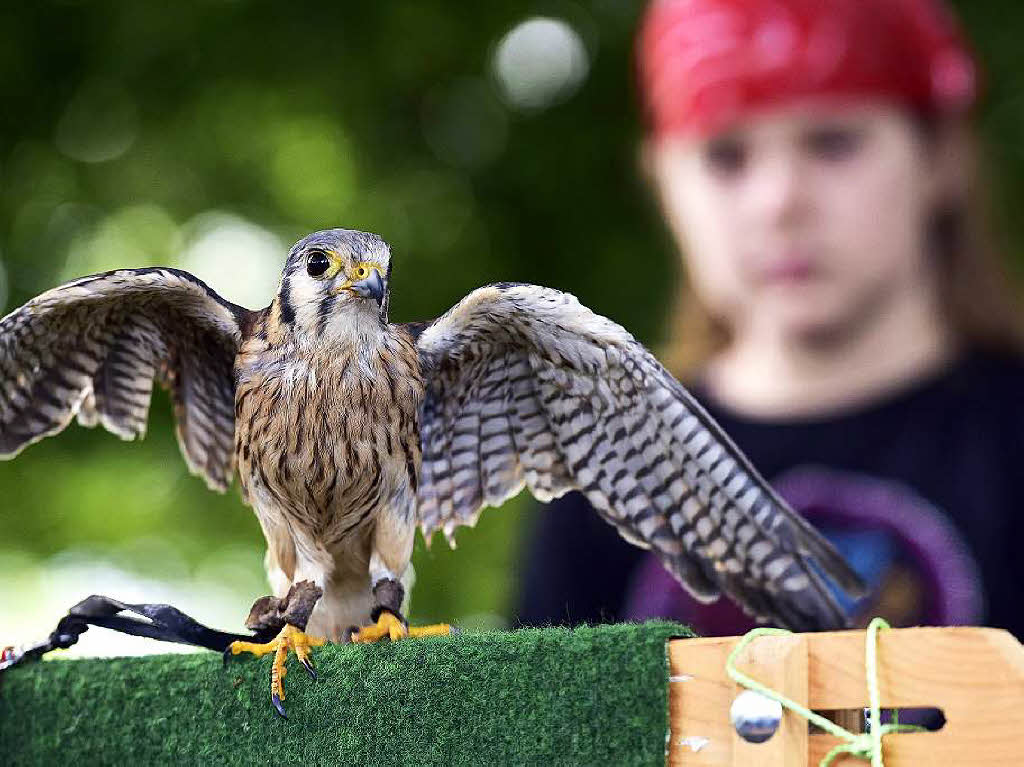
[842, 316]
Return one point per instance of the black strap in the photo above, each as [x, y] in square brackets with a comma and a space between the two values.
[163, 622]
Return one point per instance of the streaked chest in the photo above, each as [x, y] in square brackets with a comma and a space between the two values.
[332, 432]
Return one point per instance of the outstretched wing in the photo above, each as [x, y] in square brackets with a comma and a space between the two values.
[527, 386]
[93, 348]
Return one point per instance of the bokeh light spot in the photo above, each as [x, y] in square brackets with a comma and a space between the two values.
[540, 62]
[235, 257]
[100, 123]
[311, 171]
[134, 236]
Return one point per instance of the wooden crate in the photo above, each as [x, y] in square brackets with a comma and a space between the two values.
[975, 675]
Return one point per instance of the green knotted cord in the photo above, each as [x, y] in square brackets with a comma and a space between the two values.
[866, 745]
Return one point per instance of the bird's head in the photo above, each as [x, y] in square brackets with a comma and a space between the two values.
[333, 279]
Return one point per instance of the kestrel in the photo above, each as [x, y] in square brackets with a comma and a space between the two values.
[347, 432]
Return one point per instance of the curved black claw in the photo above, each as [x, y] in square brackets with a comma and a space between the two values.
[278, 705]
[308, 665]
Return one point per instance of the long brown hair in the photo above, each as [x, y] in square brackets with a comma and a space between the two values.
[978, 296]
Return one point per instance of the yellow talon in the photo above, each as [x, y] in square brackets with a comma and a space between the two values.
[433, 630]
[289, 638]
[388, 625]
[394, 628]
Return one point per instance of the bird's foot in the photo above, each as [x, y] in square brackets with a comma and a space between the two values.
[393, 626]
[290, 638]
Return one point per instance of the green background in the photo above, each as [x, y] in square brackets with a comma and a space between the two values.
[130, 131]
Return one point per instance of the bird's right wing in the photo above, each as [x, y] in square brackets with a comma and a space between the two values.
[525, 386]
[93, 348]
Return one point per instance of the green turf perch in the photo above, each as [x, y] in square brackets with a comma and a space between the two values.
[536, 696]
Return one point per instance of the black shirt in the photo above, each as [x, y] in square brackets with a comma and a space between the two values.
[945, 453]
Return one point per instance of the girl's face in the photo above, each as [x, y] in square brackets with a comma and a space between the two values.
[802, 220]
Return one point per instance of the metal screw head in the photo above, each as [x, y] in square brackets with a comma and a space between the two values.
[755, 717]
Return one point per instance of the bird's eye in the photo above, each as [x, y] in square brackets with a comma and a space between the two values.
[317, 263]
[362, 272]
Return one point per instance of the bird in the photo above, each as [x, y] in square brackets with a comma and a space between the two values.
[347, 432]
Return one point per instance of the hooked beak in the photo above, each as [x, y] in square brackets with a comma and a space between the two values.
[371, 287]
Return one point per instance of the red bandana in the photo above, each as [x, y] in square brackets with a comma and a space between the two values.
[704, 63]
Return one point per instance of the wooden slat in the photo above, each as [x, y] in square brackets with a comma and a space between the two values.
[699, 696]
[975, 675]
[782, 665]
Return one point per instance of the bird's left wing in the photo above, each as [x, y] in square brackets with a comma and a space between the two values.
[525, 386]
[93, 348]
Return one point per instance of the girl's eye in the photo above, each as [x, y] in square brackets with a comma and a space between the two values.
[317, 263]
[726, 156]
[834, 143]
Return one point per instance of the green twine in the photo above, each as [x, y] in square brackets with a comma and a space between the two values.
[862, 745]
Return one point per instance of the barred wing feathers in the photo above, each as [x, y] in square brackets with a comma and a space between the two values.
[525, 386]
[93, 347]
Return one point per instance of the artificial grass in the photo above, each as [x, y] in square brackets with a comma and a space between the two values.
[587, 696]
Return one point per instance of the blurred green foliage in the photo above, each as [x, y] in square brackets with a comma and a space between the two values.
[127, 125]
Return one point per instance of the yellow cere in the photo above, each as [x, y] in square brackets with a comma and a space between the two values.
[363, 269]
[360, 272]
